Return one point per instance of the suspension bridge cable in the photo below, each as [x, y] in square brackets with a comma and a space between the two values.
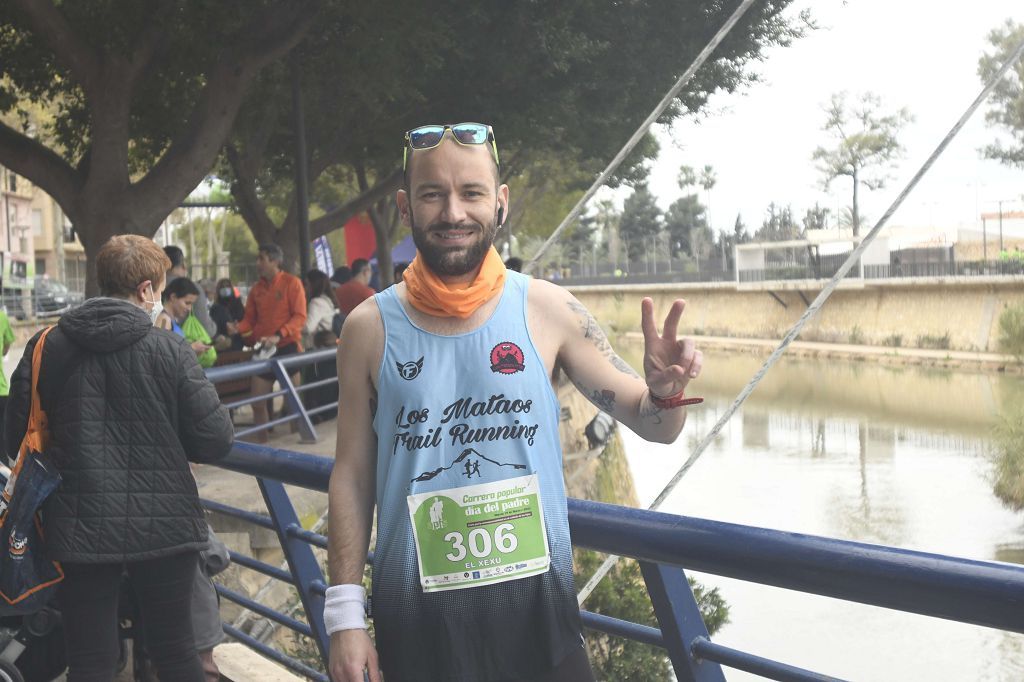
[641, 131]
[812, 309]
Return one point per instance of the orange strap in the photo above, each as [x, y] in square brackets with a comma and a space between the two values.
[37, 433]
[428, 294]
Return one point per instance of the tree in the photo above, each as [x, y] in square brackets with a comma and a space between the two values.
[865, 141]
[640, 221]
[586, 74]
[145, 94]
[778, 225]
[816, 218]
[1007, 99]
[739, 230]
[685, 216]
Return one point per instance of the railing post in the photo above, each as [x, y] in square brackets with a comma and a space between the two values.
[306, 430]
[680, 621]
[301, 561]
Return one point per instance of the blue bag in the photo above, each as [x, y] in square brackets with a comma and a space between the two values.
[27, 578]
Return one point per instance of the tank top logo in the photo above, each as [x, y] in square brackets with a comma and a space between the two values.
[410, 370]
[507, 358]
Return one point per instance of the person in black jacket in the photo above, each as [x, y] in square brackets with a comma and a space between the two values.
[128, 408]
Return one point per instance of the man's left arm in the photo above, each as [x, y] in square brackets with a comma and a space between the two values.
[611, 384]
[292, 329]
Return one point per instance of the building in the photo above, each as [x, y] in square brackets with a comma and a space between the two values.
[58, 253]
[17, 256]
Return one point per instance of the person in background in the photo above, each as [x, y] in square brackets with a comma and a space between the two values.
[342, 274]
[514, 263]
[319, 305]
[128, 407]
[318, 333]
[275, 314]
[227, 308]
[179, 298]
[178, 269]
[399, 272]
[356, 290]
[6, 341]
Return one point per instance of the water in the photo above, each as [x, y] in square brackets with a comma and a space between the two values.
[849, 450]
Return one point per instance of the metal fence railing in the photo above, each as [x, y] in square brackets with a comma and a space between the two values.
[282, 369]
[964, 590]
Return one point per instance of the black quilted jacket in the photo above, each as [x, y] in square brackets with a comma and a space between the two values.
[128, 406]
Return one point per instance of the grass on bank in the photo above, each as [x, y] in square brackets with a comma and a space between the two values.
[1011, 330]
[1008, 459]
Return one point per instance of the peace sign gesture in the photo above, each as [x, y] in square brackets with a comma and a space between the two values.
[669, 364]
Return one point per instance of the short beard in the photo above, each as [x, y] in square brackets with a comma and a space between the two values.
[453, 262]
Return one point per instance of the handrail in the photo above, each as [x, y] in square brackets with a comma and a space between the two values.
[282, 369]
[965, 590]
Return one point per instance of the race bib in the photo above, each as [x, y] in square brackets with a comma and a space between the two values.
[479, 534]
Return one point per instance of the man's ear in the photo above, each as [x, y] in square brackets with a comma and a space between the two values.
[402, 200]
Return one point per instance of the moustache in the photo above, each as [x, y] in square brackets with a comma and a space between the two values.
[443, 226]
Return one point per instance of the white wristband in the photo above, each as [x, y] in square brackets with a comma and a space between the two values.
[345, 608]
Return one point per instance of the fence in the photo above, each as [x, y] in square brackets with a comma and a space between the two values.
[977, 592]
[282, 369]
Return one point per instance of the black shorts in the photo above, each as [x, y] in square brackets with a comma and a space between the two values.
[289, 349]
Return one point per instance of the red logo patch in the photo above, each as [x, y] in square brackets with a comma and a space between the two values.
[507, 358]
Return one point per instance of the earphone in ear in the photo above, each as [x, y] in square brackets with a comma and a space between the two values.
[501, 215]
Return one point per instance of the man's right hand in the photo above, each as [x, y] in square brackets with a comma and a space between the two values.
[352, 652]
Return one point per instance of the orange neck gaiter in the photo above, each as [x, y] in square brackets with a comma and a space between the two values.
[428, 294]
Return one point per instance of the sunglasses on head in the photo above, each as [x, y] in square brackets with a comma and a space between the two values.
[429, 136]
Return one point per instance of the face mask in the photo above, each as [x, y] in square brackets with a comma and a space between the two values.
[157, 307]
[226, 292]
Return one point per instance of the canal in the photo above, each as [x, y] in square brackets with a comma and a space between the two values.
[880, 454]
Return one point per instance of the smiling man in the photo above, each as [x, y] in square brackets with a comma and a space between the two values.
[451, 431]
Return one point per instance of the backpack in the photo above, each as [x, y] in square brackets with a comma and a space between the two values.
[337, 322]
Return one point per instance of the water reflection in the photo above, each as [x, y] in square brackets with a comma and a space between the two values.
[894, 456]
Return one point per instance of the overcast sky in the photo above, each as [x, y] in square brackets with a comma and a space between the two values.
[914, 54]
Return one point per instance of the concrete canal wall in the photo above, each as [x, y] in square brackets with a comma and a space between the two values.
[958, 313]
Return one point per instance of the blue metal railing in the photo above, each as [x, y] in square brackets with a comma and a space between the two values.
[964, 590]
[282, 369]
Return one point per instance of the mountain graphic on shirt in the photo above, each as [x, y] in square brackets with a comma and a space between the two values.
[469, 461]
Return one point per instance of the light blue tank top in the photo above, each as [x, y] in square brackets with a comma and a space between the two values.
[458, 411]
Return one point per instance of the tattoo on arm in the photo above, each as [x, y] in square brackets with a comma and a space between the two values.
[592, 330]
[604, 399]
[649, 410]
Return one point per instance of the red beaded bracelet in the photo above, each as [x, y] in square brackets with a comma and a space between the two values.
[677, 400]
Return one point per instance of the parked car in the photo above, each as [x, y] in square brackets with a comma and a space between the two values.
[50, 298]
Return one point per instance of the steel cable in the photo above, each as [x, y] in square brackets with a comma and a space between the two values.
[641, 131]
[812, 309]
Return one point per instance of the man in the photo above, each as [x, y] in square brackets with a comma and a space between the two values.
[275, 313]
[357, 288]
[449, 400]
[201, 308]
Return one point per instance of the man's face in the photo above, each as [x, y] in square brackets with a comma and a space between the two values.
[452, 206]
[265, 266]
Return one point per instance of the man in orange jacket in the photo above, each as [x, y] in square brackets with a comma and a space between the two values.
[275, 313]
